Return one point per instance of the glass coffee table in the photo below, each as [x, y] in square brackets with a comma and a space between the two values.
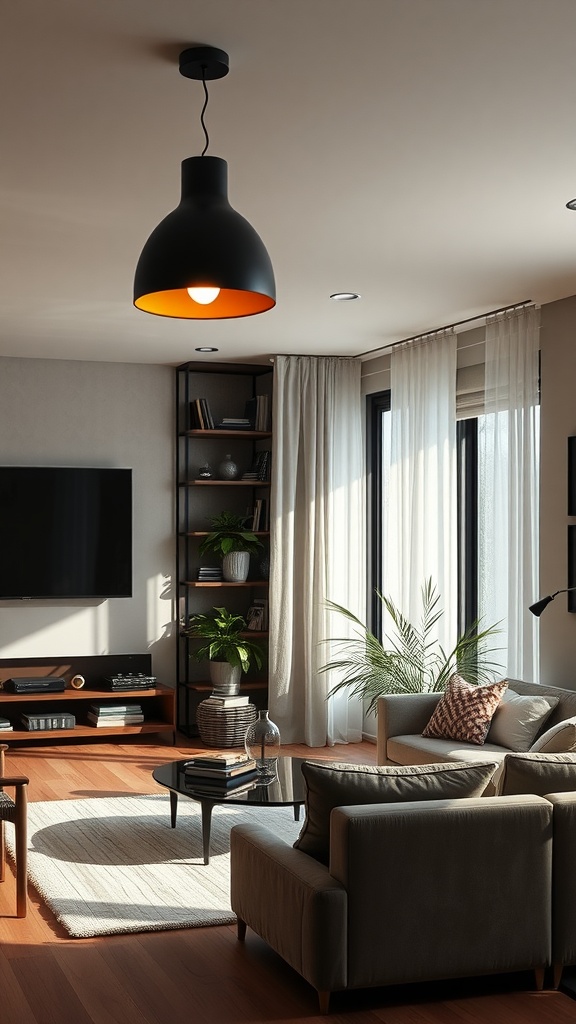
[286, 790]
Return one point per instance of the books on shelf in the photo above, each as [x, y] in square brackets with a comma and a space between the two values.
[200, 415]
[210, 574]
[229, 423]
[262, 464]
[257, 410]
[115, 714]
[6, 725]
[260, 515]
[42, 722]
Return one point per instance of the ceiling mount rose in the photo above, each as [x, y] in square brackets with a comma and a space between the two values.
[204, 63]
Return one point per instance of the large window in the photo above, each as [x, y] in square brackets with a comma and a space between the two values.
[474, 575]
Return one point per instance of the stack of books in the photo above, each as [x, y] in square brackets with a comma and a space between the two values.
[6, 725]
[102, 714]
[228, 423]
[232, 701]
[220, 775]
[209, 574]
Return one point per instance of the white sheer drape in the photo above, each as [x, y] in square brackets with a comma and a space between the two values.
[420, 514]
[317, 542]
[508, 439]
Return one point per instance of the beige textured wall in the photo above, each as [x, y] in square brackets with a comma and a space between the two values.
[558, 419]
[68, 413]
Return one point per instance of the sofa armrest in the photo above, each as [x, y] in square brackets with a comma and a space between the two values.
[564, 879]
[438, 888]
[292, 902]
[402, 714]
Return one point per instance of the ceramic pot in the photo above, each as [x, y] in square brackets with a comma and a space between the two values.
[235, 566]
[225, 678]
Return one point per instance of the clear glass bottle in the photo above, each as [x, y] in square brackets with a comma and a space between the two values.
[262, 742]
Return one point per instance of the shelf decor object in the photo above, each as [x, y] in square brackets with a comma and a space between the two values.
[262, 743]
[204, 261]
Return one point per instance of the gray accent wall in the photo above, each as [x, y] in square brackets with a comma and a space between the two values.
[119, 415]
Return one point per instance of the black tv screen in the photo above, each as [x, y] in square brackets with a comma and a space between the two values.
[65, 532]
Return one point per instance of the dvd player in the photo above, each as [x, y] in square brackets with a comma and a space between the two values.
[35, 684]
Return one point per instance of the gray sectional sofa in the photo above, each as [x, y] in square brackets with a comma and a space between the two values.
[402, 718]
[417, 889]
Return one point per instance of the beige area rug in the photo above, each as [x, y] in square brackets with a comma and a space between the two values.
[112, 865]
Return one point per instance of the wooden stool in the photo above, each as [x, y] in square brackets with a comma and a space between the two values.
[223, 727]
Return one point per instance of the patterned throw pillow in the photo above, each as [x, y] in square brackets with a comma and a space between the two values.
[464, 711]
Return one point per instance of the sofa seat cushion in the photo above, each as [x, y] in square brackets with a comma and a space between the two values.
[464, 711]
[418, 749]
[518, 719]
[538, 773]
[341, 785]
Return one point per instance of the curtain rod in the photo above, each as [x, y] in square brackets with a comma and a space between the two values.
[457, 323]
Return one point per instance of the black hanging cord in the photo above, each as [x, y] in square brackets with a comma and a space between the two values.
[206, 136]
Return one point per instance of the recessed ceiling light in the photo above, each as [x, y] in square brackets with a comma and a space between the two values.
[345, 296]
[205, 348]
[571, 205]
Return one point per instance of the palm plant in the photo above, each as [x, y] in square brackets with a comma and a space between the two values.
[414, 661]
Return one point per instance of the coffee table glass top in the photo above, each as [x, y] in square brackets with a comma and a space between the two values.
[286, 790]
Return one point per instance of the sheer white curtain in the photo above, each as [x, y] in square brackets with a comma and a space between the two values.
[508, 446]
[317, 542]
[420, 513]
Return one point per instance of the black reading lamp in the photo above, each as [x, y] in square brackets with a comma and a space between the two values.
[543, 603]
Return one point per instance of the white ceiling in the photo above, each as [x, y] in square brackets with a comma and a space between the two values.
[420, 152]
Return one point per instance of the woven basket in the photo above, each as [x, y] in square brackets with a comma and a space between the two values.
[223, 727]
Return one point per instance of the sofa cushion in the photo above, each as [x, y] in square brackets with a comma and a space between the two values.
[339, 785]
[464, 711]
[517, 720]
[560, 739]
[538, 774]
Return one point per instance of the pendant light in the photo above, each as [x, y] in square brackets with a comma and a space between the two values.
[204, 261]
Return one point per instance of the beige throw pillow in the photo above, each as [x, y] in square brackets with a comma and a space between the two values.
[338, 785]
[518, 718]
[560, 739]
[464, 711]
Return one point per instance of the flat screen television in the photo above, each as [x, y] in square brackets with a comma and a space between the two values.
[65, 532]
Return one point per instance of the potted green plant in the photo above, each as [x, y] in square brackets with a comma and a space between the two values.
[229, 651]
[233, 542]
[413, 661]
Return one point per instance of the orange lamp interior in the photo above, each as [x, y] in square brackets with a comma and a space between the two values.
[229, 303]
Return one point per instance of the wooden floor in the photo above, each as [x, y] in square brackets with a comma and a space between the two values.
[200, 975]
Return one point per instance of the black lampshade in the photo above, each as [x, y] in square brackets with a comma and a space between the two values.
[204, 243]
[540, 605]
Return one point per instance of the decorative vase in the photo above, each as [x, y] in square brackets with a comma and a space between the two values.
[225, 678]
[228, 470]
[262, 742]
[235, 566]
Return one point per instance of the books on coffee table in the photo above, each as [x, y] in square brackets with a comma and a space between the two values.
[219, 768]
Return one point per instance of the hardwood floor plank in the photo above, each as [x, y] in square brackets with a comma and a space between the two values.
[99, 989]
[14, 1007]
[48, 991]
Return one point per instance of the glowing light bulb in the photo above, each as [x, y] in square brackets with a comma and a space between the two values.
[203, 295]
